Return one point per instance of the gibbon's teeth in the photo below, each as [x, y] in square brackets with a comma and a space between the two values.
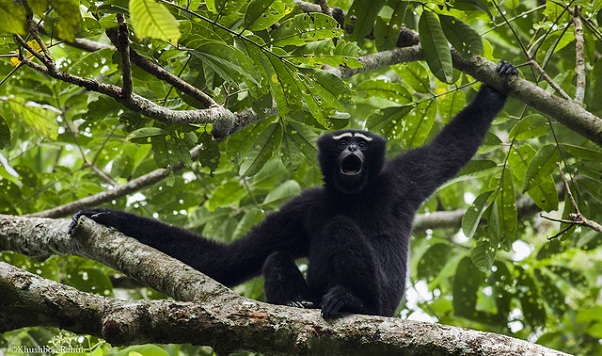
[351, 165]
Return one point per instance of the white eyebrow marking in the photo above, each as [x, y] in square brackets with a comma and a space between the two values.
[343, 135]
[361, 135]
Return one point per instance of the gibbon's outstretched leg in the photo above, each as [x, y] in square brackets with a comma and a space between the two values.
[284, 284]
[344, 270]
[230, 264]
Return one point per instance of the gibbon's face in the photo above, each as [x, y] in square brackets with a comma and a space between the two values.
[349, 159]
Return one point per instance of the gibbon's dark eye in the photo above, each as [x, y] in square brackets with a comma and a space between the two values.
[362, 145]
[343, 144]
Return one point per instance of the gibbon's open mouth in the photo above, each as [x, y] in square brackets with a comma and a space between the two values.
[352, 165]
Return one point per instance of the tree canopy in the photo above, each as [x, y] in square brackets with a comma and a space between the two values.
[205, 115]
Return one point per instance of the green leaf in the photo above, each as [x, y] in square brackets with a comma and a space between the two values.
[43, 119]
[228, 62]
[225, 7]
[4, 134]
[530, 126]
[210, 153]
[290, 154]
[250, 219]
[304, 28]
[387, 122]
[583, 153]
[433, 260]
[261, 151]
[386, 34]
[226, 195]
[361, 17]
[450, 104]
[553, 295]
[474, 213]
[530, 298]
[146, 350]
[143, 135]
[261, 14]
[379, 88]
[464, 38]
[483, 255]
[324, 92]
[506, 206]
[543, 194]
[282, 193]
[466, 284]
[153, 20]
[415, 75]
[418, 124]
[14, 19]
[435, 47]
[283, 85]
[69, 18]
[305, 139]
[541, 166]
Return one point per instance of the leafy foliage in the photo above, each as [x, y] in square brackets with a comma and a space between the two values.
[60, 143]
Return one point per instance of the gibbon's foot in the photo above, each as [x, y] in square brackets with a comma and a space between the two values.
[506, 68]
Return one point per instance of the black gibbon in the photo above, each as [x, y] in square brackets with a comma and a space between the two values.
[354, 230]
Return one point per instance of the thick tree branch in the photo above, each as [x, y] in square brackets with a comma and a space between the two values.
[567, 112]
[218, 318]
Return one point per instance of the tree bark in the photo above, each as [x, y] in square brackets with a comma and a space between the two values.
[207, 313]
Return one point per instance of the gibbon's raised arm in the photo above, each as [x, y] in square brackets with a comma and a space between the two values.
[426, 168]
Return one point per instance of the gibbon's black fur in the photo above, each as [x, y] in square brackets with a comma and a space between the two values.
[354, 230]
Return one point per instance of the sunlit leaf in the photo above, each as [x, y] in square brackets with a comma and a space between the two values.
[43, 119]
[417, 125]
[69, 18]
[13, 17]
[225, 7]
[474, 213]
[530, 126]
[282, 193]
[152, 19]
[304, 28]
[262, 14]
